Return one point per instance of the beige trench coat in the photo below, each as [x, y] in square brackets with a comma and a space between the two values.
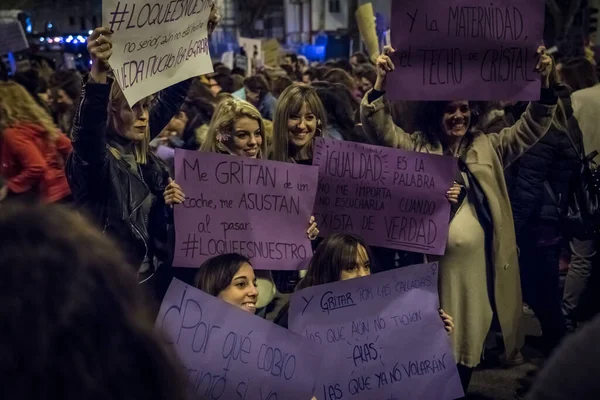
[486, 159]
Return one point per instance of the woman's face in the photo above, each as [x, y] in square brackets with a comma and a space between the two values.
[242, 292]
[132, 123]
[247, 139]
[361, 268]
[302, 127]
[456, 119]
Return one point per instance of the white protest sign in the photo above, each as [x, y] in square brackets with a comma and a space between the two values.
[12, 36]
[157, 44]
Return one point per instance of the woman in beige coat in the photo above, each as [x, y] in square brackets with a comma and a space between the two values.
[479, 272]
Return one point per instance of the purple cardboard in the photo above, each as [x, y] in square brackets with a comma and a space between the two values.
[228, 353]
[392, 198]
[258, 208]
[381, 336]
[465, 50]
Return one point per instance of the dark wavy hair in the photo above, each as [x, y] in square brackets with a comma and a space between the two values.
[429, 115]
[216, 274]
[333, 255]
[340, 107]
[75, 323]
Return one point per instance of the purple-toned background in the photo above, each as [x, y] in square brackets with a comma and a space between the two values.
[271, 234]
[230, 354]
[382, 217]
[385, 325]
[416, 79]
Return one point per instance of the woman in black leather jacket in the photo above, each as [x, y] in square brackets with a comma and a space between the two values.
[112, 173]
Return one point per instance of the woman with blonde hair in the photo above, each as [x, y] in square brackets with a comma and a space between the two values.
[299, 118]
[32, 149]
[113, 174]
[237, 128]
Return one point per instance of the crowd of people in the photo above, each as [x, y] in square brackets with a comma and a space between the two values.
[81, 176]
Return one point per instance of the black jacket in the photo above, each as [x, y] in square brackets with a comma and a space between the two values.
[552, 159]
[106, 188]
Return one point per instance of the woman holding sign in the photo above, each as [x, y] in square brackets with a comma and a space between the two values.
[237, 128]
[479, 273]
[112, 172]
[340, 257]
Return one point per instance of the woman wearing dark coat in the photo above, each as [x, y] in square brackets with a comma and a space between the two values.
[538, 185]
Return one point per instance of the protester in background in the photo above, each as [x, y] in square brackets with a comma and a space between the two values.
[311, 75]
[219, 83]
[578, 73]
[74, 324]
[539, 188]
[257, 92]
[32, 82]
[279, 85]
[581, 76]
[64, 90]
[341, 109]
[299, 118]
[229, 277]
[33, 151]
[474, 282]
[291, 59]
[338, 75]
[366, 74]
[358, 59]
[112, 173]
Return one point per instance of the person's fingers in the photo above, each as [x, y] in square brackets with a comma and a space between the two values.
[388, 50]
[389, 63]
[104, 56]
[103, 41]
[312, 219]
[99, 32]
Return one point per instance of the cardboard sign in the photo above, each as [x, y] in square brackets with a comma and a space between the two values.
[460, 50]
[392, 198]
[382, 336]
[156, 45]
[228, 353]
[258, 208]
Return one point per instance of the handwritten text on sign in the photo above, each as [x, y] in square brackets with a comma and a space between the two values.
[157, 44]
[392, 198]
[230, 354]
[257, 208]
[381, 336]
[465, 50]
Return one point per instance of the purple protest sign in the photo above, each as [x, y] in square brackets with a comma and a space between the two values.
[381, 335]
[258, 208]
[228, 353]
[392, 198]
[460, 50]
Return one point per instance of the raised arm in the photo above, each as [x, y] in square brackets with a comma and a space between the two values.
[89, 128]
[512, 142]
[375, 113]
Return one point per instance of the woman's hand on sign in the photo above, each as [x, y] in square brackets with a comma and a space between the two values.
[384, 65]
[173, 193]
[313, 230]
[544, 66]
[454, 193]
[448, 322]
[99, 45]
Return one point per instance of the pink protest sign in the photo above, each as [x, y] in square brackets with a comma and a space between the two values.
[228, 353]
[381, 335]
[392, 198]
[464, 50]
[258, 208]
